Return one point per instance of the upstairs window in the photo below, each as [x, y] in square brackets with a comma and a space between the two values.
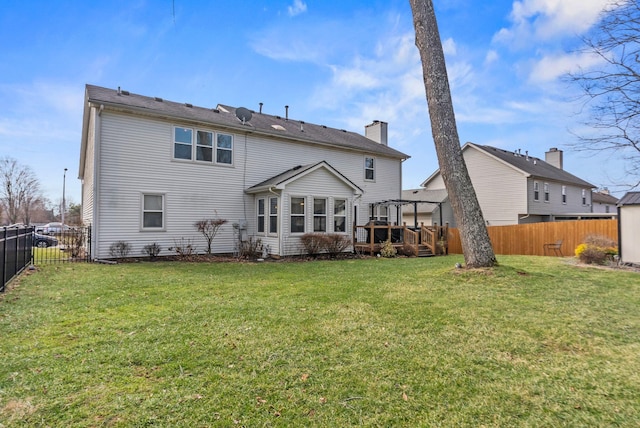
[340, 215]
[369, 168]
[546, 192]
[203, 149]
[584, 197]
[319, 215]
[224, 149]
[152, 211]
[204, 146]
[564, 194]
[536, 191]
[182, 143]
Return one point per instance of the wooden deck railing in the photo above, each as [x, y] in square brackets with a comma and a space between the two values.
[371, 237]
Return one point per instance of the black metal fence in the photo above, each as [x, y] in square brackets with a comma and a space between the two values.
[15, 252]
[21, 246]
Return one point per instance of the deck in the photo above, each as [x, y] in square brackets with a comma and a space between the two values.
[423, 242]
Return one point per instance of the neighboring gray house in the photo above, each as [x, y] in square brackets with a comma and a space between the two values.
[629, 228]
[430, 207]
[604, 202]
[150, 168]
[516, 188]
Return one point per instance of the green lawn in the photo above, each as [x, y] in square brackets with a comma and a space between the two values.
[374, 342]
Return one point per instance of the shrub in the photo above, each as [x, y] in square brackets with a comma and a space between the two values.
[388, 250]
[596, 249]
[183, 248]
[152, 250]
[313, 243]
[120, 249]
[250, 249]
[335, 243]
[209, 228]
[408, 250]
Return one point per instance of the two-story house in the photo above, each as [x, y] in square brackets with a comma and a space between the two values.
[151, 168]
[512, 188]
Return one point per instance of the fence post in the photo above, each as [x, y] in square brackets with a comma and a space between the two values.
[4, 259]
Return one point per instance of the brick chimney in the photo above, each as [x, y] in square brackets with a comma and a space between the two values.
[554, 157]
[377, 131]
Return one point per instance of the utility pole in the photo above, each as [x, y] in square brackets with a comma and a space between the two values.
[64, 182]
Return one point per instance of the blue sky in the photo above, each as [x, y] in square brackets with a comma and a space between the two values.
[338, 63]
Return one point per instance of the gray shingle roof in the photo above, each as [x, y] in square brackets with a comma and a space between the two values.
[224, 116]
[603, 198]
[535, 167]
[631, 198]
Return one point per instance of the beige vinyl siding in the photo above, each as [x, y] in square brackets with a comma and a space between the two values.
[501, 190]
[630, 230]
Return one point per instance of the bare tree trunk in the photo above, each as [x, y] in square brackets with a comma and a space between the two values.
[476, 245]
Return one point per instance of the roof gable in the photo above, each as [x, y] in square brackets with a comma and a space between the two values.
[224, 116]
[281, 180]
[528, 166]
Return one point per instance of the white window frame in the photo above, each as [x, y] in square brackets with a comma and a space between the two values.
[224, 149]
[320, 215]
[545, 190]
[536, 191]
[273, 215]
[564, 195]
[182, 143]
[584, 197]
[371, 168]
[195, 145]
[337, 215]
[261, 217]
[382, 213]
[296, 200]
[144, 210]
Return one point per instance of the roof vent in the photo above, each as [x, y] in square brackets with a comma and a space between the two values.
[278, 117]
[301, 126]
[124, 92]
[278, 127]
[215, 110]
[188, 105]
[324, 126]
[158, 99]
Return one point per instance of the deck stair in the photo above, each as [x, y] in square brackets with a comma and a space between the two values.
[424, 251]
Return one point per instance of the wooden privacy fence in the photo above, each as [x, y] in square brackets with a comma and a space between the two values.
[529, 239]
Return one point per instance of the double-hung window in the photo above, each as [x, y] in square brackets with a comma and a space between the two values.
[546, 192]
[536, 191]
[319, 215]
[204, 146]
[273, 215]
[584, 197]
[153, 211]
[261, 215]
[340, 215]
[208, 147]
[383, 213]
[297, 215]
[182, 143]
[564, 195]
[224, 149]
[369, 168]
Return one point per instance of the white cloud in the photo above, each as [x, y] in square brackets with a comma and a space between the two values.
[449, 47]
[491, 57]
[297, 8]
[543, 20]
[551, 67]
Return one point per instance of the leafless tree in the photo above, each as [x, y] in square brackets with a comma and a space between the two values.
[20, 189]
[611, 88]
[476, 244]
[209, 228]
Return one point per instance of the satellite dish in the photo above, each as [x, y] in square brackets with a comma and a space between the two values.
[243, 114]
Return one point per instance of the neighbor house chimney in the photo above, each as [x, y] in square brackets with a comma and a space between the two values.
[377, 131]
[554, 157]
